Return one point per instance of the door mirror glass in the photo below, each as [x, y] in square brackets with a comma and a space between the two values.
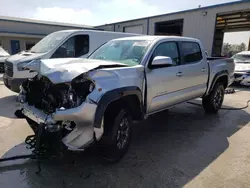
[162, 60]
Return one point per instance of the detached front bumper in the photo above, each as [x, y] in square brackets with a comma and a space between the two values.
[83, 116]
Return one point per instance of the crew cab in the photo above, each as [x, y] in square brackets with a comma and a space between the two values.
[125, 80]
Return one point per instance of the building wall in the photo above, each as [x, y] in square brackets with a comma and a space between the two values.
[108, 27]
[27, 31]
[199, 25]
[118, 27]
[196, 23]
[5, 42]
[7, 26]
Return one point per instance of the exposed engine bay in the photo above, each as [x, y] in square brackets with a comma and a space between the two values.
[60, 109]
[64, 104]
[41, 93]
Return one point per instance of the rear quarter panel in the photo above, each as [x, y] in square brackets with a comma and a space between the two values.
[220, 66]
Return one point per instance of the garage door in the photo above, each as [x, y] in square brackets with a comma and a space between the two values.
[134, 29]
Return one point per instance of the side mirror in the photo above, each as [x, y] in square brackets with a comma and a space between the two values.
[162, 60]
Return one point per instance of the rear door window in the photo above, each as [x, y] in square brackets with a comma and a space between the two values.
[75, 46]
[191, 52]
[81, 45]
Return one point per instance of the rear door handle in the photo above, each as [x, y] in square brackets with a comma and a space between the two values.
[203, 70]
[179, 74]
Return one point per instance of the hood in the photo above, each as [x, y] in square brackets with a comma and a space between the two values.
[24, 56]
[66, 69]
[242, 67]
[3, 53]
[2, 59]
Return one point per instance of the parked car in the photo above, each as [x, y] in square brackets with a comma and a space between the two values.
[3, 56]
[60, 44]
[242, 67]
[96, 99]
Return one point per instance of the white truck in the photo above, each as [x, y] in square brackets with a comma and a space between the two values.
[96, 99]
[242, 67]
[3, 56]
[60, 44]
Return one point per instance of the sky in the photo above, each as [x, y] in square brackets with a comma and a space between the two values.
[237, 38]
[98, 12]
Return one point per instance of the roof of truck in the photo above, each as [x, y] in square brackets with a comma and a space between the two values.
[96, 31]
[154, 37]
[244, 53]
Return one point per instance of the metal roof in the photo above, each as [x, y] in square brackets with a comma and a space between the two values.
[183, 11]
[244, 53]
[40, 22]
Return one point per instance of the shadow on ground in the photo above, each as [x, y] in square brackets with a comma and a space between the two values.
[8, 106]
[168, 150]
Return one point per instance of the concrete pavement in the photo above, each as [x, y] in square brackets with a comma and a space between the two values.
[182, 147]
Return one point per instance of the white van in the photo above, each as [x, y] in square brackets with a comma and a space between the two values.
[60, 44]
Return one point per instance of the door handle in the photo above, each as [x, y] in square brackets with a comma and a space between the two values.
[203, 70]
[179, 74]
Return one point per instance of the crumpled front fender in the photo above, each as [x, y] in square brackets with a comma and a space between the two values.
[83, 116]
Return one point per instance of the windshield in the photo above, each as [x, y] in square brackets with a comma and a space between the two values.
[242, 58]
[48, 42]
[129, 52]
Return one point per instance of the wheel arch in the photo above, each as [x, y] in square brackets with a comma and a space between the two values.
[128, 97]
[222, 77]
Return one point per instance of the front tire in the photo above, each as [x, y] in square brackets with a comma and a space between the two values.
[115, 141]
[213, 102]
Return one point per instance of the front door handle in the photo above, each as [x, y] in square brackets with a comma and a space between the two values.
[179, 74]
[203, 70]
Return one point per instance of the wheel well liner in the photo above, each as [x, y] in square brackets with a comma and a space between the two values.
[128, 97]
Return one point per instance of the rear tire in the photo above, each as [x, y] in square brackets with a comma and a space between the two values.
[117, 136]
[213, 102]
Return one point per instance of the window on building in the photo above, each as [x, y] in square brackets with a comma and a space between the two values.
[191, 52]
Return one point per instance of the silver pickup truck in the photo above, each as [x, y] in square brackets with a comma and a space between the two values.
[125, 80]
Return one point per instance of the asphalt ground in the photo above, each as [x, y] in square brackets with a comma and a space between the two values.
[181, 147]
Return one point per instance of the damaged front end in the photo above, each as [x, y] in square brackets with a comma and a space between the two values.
[61, 109]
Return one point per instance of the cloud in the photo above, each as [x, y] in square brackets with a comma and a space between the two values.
[66, 15]
[102, 12]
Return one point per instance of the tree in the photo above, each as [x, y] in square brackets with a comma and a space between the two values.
[226, 48]
[242, 47]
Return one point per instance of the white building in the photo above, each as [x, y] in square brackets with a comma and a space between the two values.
[205, 23]
[18, 34]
